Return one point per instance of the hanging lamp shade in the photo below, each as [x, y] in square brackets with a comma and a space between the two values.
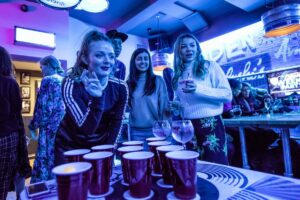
[60, 4]
[282, 20]
[160, 61]
[93, 6]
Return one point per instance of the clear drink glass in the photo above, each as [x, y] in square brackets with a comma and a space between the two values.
[161, 128]
[236, 111]
[268, 104]
[182, 131]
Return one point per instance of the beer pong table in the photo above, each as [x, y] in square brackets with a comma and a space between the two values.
[280, 121]
[215, 182]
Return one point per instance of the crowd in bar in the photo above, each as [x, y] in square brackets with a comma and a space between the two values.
[101, 101]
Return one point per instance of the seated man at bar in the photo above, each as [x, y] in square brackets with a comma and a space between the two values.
[95, 101]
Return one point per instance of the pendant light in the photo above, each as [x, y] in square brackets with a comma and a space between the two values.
[93, 6]
[60, 4]
[282, 20]
[159, 58]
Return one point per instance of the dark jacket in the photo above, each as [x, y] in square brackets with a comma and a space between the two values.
[168, 75]
[11, 120]
[10, 106]
[120, 70]
[249, 105]
[90, 121]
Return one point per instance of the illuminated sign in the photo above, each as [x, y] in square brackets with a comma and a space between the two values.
[284, 82]
[241, 45]
[31, 37]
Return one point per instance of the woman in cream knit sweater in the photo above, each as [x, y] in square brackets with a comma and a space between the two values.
[202, 88]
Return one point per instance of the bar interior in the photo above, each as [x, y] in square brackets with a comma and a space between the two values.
[160, 99]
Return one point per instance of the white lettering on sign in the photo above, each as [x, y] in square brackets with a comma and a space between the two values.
[239, 47]
[231, 49]
[286, 81]
[248, 42]
[234, 50]
[290, 81]
[216, 54]
[246, 70]
[286, 51]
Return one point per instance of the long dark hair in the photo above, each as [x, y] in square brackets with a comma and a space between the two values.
[134, 72]
[83, 53]
[5, 63]
[199, 69]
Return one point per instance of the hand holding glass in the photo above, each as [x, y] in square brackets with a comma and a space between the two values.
[236, 111]
[189, 85]
[161, 128]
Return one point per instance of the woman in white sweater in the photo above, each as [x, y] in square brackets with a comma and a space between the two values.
[148, 96]
[202, 88]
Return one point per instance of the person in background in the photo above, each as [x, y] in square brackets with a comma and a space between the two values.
[95, 101]
[202, 88]
[168, 74]
[258, 139]
[14, 154]
[48, 112]
[236, 88]
[148, 96]
[117, 39]
[249, 104]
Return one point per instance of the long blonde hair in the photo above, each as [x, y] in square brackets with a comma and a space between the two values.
[199, 69]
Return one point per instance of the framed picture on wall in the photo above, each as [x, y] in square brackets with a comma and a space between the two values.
[26, 106]
[25, 78]
[25, 92]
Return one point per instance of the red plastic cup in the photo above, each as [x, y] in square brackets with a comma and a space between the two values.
[133, 143]
[105, 147]
[164, 164]
[102, 163]
[154, 139]
[139, 171]
[152, 147]
[121, 152]
[75, 155]
[72, 180]
[184, 173]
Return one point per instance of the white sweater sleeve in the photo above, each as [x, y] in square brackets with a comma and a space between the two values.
[220, 90]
